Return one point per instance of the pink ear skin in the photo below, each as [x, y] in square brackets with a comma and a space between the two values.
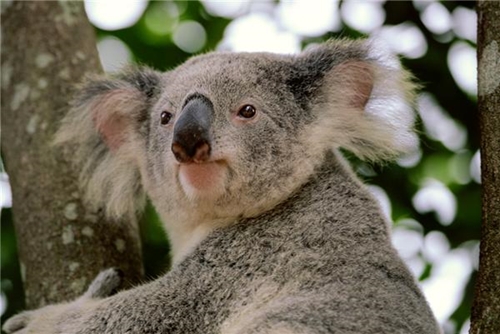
[357, 79]
[113, 130]
[113, 114]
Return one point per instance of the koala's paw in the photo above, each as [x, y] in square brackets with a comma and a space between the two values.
[60, 318]
[105, 284]
[17, 322]
[44, 320]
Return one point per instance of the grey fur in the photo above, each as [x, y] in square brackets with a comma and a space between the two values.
[288, 240]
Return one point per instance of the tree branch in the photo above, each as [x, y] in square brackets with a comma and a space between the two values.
[47, 47]
[485, 317]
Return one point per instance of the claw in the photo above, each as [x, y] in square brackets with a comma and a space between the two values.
[105, 284]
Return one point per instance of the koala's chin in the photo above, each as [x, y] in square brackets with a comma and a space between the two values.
[203, 181]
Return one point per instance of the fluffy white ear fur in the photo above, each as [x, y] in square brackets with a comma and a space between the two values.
[102, 131]
[367, 107]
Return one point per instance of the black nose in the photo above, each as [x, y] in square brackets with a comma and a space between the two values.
[191, 142]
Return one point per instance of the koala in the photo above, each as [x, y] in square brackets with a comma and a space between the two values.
[271, 230]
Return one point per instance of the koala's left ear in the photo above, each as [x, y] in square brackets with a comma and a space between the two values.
[107, 127]
[361, 97]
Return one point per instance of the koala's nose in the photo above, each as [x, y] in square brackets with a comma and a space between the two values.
[191, 142]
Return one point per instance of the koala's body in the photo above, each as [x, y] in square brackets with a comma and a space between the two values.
[271, 230]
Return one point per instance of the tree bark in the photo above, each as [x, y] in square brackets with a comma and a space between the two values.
[485, 317]
[47, 47]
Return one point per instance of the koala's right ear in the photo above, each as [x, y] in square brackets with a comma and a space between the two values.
[107, 128]
[362, 98]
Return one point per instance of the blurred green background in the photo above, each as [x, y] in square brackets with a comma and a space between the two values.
[433, 195]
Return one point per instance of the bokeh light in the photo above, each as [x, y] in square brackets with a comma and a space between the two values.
[114, 14]
[435, 196]
[463, 66]
[310, 18]
[450, 273]
[439, 125]
[190, 36]
[364, 16]
[383, 199]
[407, 237]
[258, 32]
[3, 303]
[114, 54]
[162, 18]
[5, 192]
[475, 167]
[405, 39]
[465, 23]
[436, 18]
[228, 8]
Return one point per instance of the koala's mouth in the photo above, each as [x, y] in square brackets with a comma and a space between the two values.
[203, 179]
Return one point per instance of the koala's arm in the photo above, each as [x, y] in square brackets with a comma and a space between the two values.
[149, 308]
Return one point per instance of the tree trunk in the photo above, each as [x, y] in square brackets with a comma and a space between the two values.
[47, 47]
[485, 317]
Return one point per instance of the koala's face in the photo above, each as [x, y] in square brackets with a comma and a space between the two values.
[227, 133]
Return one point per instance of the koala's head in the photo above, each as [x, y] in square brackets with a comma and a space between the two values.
[233, 134]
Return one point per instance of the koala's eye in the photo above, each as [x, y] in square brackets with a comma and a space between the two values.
[247, 111]
[165, 117]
